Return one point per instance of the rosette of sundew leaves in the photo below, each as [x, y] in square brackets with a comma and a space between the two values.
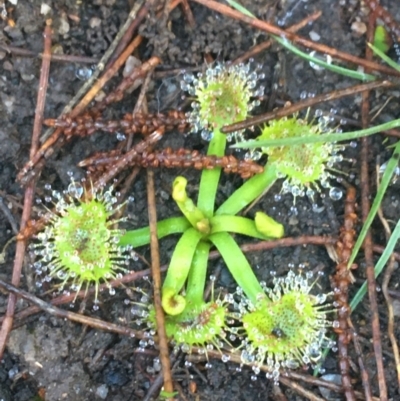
[223, 95]
[80, 242]
[283, 327]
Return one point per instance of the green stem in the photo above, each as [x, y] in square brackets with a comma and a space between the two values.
[178, 271]
[235, 224]
[141, 236]
[248, 192]
[197, 275]
[210, 178]
[238, 265]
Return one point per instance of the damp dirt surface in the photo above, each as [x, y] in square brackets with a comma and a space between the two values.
[52, 359]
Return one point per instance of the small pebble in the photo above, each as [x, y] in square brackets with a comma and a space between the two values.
[358, 27]
[396, 307]
[94, 22]
[45, 9]
[102, 391]
[314, 36]
[328, 394]
[64, 27]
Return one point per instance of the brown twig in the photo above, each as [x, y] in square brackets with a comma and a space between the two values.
[75, 317]
[66, 299]
[117, 94]
[385, 290]
[136, 16]
[368, 253]
[187, 11]
[315, 381]
[340, 283]
[267, 44]
[284, 242]
[306, 103]
[67, 58]
[380, 249]
[156, 274]
[300, 389]
[29, 191]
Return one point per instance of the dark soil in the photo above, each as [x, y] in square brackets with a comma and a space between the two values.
[66, 361]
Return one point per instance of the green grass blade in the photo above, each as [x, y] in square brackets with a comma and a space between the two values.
[331, 67]
[319, 138]
[379, 266]
[384, 57]
[386, 179]
[240, 8]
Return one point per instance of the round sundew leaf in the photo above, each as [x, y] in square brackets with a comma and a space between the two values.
[302, 165]
[288, 330]
[80, 244]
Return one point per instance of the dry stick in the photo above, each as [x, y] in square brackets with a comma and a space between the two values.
[133, 22]
[364, 373]
[156, 274]
[140, 105]
[368, 253]
[284, 242]
[118, 93]
[340, 283]
[188, 13]
[29, 191]
[274, 30]
[68, 58]
[266, 45]
[75, 317]
[277, 394]
[323, 383]
[66, 299]
[300, 390]
[385, 289]
[306, 103]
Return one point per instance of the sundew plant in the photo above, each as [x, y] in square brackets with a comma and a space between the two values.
[283, 327]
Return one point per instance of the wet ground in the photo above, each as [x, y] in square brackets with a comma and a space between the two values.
[53, 359]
